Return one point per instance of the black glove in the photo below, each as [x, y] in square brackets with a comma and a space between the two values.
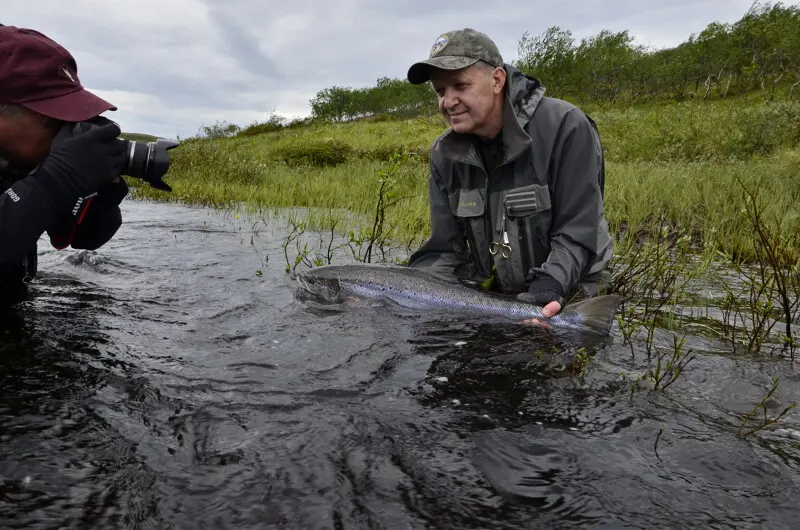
[542, 291]
[110, 195]
[85, 163]
[95, 224]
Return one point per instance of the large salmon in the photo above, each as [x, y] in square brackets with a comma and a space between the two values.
[413, 288]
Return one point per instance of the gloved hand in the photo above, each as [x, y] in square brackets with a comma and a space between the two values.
[96, 225]
[542, 291]
[110, 195]
[84, 163]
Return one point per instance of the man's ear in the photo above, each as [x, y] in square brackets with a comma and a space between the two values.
[498, 80]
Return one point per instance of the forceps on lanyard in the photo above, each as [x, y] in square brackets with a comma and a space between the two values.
[503, 247]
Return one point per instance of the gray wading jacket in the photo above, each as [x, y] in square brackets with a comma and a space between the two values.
[550, 186]
[18, 256]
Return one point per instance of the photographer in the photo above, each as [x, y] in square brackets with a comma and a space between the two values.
[51, 179]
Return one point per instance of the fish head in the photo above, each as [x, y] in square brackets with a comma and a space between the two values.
[320, 285]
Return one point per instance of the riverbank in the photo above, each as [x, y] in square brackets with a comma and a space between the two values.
[684, 162]
[715, 182]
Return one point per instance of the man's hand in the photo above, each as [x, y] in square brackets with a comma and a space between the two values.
[545, 292]
[99, 222]
[87, 162]
[551, 309]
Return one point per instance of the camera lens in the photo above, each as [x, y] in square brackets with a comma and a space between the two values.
[138, 154]
[149, 161]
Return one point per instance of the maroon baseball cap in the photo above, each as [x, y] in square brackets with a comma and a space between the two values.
[38, 73]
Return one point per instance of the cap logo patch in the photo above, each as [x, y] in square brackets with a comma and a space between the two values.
[440, 43]
[66, 73]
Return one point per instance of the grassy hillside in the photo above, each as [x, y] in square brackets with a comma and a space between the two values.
[139, 137]
[689, 132]
[679, 160]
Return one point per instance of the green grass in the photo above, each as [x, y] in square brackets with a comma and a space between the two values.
[139, 137]
[682, 160]
[689, 164]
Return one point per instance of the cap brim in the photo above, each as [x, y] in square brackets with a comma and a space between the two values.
[421, 72]
[76, 106]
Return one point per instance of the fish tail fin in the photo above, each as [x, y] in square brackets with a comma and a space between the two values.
[596, 313]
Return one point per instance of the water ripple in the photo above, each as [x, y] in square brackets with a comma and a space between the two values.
[159, 382]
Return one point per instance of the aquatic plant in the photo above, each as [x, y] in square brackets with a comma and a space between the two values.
[766, 421]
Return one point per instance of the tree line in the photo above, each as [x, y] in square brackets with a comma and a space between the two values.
[759, 52]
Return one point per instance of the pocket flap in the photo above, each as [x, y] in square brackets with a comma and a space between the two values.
[467, 203]
[527, 200]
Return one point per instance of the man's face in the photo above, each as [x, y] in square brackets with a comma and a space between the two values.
[25, 137]
[468, 98]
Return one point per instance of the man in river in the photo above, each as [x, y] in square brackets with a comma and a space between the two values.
[42, 181]
[516, 182]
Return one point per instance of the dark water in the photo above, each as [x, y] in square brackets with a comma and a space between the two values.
[162, 383]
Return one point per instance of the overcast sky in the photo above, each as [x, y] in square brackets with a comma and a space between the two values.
[172, 66]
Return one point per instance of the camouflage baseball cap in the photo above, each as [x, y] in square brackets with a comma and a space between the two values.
[455, 50]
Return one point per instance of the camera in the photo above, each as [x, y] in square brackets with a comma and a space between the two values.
[146, 161]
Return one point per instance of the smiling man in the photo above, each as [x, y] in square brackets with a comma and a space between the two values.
[516, 182]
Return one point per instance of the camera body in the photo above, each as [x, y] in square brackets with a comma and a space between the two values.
[146, 161]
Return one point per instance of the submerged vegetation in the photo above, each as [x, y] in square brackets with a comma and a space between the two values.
[702, 193]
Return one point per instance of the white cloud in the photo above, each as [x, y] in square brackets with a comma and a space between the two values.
[183, 121]
[172, 66]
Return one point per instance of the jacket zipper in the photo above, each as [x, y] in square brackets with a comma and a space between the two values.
[490, 234]
[526, 257]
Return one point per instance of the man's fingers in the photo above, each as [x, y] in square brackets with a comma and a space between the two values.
[105, 133]
[537, 322]
[551, 309]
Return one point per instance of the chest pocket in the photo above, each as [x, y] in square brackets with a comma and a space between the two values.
[469, 207]
[527, 200]
[528, 213]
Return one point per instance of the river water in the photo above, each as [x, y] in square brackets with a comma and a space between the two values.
[162, 382]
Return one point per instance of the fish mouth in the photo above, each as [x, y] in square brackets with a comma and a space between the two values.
[307, 285]
[319, 289]
[302, 282]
